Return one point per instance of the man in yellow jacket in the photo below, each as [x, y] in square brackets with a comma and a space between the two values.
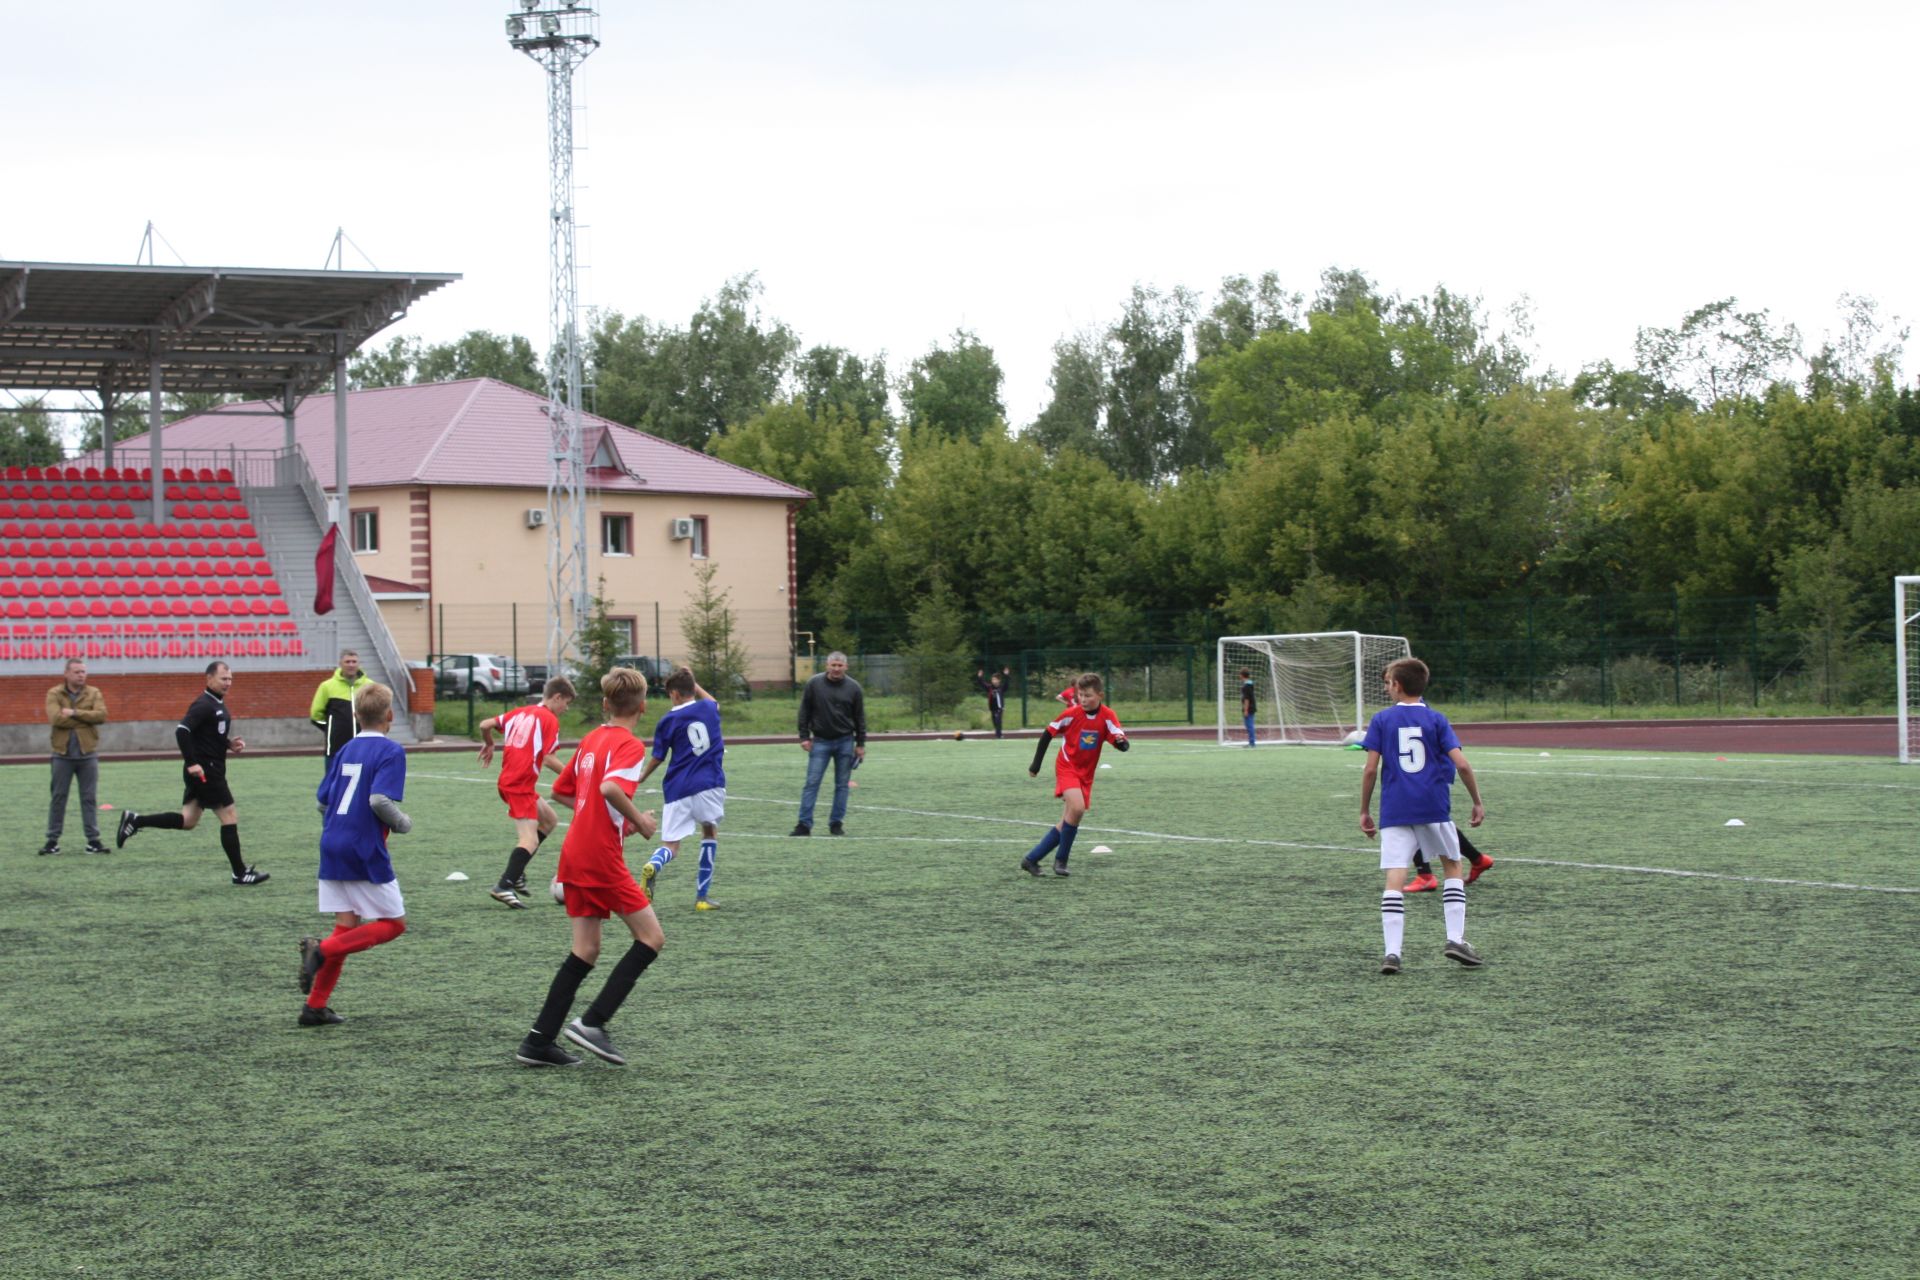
[76, 711]
[332, 711]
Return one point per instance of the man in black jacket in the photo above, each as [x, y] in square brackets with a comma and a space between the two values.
[995, 687]
[833, 726]
[203, 737]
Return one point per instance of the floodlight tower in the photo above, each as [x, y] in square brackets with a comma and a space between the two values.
[559, 38]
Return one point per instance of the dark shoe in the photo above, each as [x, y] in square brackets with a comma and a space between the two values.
[50, 848]
[310, 962]
[836, 829]
[595, 1041]
[519, 886]
[94, 846]
[1465, 954]
[505, 895]
[127, 818]
[1390, 965]
[530, 1054]
[312, 1017]
[1060, 869]
[1031, 868]
[252, 875]
[801, 829]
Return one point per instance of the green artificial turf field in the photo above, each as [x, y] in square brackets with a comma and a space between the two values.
[893, 1055]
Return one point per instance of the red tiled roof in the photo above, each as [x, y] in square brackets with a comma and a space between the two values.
[475, 432]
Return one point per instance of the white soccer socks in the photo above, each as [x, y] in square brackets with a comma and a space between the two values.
[1453, 901]
[1393, 919]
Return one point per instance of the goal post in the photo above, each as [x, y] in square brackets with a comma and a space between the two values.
[1312, 687]
[1906, 655]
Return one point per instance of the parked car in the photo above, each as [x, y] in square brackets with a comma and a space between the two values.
[654, 669]
[491, 674]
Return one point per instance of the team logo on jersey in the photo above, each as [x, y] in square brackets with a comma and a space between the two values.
[586, 763]
[1089, 739]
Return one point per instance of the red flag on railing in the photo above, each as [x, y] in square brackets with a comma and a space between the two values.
[323, 571]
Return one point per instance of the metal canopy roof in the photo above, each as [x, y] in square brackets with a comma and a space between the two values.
[237, 330]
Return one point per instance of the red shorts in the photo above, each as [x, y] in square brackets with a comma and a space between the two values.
[522, 802]
[1065, 782]
[597, 902]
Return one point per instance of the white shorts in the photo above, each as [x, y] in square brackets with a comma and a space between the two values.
[1435, 839]
[681, 818]
[365, 899]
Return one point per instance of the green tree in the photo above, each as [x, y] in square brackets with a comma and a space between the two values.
[599, 646]
[1718, 353]
[1073, 417]
[955, 389]
[28, 437]
[1148, 435]
[714, 650]
[938, 653]
[1245, 309]
[834, 378]
[478, 353]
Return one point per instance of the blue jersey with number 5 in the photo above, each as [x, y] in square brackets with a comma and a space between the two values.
[1416, 782]
[353, 843]
[690, 734]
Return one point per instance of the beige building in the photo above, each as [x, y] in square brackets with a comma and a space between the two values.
[448, 519]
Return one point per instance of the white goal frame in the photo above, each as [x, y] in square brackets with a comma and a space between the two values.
[1906, 663]
[1331, 691]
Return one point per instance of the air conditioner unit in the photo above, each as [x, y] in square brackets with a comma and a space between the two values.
[536, 516]
[680, 528]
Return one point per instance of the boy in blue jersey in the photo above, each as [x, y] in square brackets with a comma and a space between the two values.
[359, 804]
[695, 790]
[1416, 813]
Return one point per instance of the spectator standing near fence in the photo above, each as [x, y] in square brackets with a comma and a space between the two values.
[833, 727]
[332, 711]
[76, 710]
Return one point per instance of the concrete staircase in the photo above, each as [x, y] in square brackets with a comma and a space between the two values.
[286, 526]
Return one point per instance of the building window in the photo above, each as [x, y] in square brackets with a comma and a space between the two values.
[366, 530]
[699, 537]
[622, 634]
[616, 535]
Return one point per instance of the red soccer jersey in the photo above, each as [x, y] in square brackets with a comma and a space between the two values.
[593, 856]
[1081, 735]
[529, 733]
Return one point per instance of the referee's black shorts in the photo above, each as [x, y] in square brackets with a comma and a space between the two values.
[211, 794]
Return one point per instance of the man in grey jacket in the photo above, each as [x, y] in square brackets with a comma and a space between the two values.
[833, 726]
[75, 710]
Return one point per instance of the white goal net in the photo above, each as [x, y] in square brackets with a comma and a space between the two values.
[1310, 688]
[1906, 652]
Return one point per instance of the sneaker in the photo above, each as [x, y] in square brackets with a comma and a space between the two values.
[505, 895]
[1031, 868]
[310, 962]
[252, 875]
[93, 846]
[1465, 954]
[50, 848]
[801, 829]
[595, 1041]
[705, 904]
[519, 885]
[1060, 869]
[1473, 873]
[1422, 883]
[836, 829]
[647, 873]
[530, 1054]
[127, 818]
[1390, 965]
[312, 1017]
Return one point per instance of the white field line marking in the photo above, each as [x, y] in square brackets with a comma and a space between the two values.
[1295, 844]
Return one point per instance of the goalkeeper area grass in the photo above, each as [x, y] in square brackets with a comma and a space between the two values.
[1691, 1053]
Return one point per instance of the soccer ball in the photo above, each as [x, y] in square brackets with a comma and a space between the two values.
[959, 735]
[1355, 738]
[559, 893]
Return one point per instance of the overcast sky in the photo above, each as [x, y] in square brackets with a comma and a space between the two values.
[896, 169]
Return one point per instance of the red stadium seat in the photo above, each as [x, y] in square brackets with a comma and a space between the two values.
[279, 608]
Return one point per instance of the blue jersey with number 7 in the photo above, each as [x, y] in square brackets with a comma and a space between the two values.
[353, 843]
[1416, 783]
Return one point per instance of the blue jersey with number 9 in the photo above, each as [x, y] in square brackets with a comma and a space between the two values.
[1416, 782]
[690, 734]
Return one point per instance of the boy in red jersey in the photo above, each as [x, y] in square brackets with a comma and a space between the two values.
[598, 785]
[531, 734]
[1081, 731]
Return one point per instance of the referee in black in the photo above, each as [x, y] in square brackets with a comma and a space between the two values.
[204, 745]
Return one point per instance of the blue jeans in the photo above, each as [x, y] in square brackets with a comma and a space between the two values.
[840, 751]
[1248, 722]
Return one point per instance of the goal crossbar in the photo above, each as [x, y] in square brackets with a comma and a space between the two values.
[1307, 687]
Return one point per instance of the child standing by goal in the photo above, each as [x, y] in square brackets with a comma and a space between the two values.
[359, 804]
[1421, 755]
[598, 785]
[695, 789]
[531, 733]
[1082, 731]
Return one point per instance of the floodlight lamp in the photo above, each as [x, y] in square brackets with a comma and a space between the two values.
[515, 28]
[549, 25]
[529, 5]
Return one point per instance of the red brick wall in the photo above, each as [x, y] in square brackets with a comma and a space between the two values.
[256, 695]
